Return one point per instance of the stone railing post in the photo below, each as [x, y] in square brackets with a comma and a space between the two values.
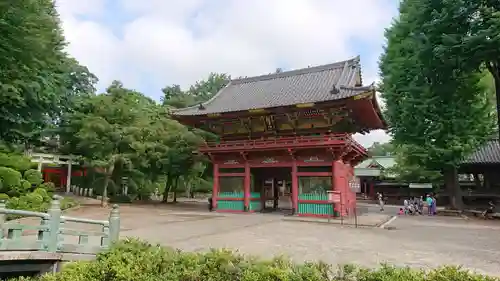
[54, 224]
[2, 220]
[114, 224]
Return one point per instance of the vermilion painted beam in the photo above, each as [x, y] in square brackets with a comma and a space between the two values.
[231, 166]
[231, 174]
[313, 164]
[274, 165]
[314, 174]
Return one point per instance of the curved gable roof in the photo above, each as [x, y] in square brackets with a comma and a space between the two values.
[308, 85]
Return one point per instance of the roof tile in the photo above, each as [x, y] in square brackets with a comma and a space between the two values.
[489, 153]
[308, 85]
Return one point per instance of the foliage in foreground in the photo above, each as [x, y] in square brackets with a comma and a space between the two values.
[139, 261]
[437, 110]
[23, 188]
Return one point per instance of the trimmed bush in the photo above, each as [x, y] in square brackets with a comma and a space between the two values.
[10, 178]
[134, 260]
[4, 197]
[49, 186]
[34, 177]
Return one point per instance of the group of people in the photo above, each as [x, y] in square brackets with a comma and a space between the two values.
[414, 205]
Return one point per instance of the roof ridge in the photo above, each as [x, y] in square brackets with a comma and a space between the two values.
[294, 72]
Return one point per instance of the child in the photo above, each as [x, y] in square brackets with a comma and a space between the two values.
[401, 212]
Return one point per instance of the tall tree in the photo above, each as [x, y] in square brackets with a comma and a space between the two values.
[200, 92]
[472, 38]
[105, 128]
[37, 78]
[381, 149]
[123, 131]
[438, 110]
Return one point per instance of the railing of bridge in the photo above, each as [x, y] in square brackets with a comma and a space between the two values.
[49, 234]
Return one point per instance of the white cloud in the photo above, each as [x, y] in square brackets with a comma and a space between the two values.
[182, 41]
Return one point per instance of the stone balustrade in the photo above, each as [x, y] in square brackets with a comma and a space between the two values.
[48, 235]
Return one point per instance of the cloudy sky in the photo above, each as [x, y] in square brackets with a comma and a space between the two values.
[148, 44]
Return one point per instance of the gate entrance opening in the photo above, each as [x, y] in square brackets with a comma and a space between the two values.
[275, 187]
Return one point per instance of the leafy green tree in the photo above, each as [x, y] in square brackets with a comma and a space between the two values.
[470, 36]
[37, 78]
[407, 171]
[200, 92]
[173, 96]
[381, 149]
[167, 152]
[438, 110]
[122, 133]
[104, 129]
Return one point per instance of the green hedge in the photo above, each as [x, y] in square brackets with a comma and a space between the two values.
[134, 260]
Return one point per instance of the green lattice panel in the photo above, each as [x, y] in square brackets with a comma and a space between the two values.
[314, 208]
[231, 195]
[313, 196]
[255, 205]
[230, 204]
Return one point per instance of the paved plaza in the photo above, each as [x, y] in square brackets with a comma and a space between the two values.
[416, 241]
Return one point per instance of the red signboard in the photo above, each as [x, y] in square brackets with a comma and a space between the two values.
[334, 196]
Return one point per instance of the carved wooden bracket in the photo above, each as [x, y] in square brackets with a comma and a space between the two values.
[211, 156]
[244, 155]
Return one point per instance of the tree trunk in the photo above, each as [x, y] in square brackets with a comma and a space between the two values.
[175, 190]
[166, 190]
[104, 197]
[108, 174]
[494, 68]
[452, 186]
[497, 94]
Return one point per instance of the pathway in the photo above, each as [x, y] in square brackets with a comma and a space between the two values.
[415, 241]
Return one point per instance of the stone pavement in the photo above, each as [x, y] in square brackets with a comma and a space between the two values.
[363, 220]
[416, 241]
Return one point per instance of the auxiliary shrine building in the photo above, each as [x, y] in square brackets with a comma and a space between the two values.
[286, 139]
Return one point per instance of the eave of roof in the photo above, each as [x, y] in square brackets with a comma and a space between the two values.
[318, 84]
[487, 154]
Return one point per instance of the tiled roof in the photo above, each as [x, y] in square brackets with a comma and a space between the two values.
[308, 85]
[385, 162]
[488, 153]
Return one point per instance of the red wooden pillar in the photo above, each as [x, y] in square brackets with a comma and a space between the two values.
[63, 179]
[334, 184]
[334, 174]
[46, 175]
[339, 179]
[295, 188]
[215, 189]
[246, 187]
